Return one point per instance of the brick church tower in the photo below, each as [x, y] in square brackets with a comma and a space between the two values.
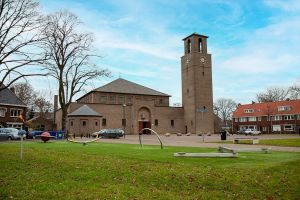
[197, 96]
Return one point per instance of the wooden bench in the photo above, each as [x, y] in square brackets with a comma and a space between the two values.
[254, 140]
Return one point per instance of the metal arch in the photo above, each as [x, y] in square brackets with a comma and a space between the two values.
[140, 136]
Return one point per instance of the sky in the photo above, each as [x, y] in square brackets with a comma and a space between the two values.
[254, 44]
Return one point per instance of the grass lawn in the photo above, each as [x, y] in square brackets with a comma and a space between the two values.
[294, 142]
[60, 170]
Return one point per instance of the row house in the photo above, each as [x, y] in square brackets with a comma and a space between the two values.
[12, 110]
[268, 117]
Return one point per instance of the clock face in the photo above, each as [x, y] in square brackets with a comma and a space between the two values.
[202, 60]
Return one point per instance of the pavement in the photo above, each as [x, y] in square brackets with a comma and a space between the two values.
[197, 141]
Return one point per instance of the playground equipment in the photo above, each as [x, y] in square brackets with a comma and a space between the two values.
[140, 136]
[207, 155]
[257, 150]
[45, 137]
[83, 142]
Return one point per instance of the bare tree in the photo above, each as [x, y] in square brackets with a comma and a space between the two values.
[25, 92]
[270, 111]
[295, 90]
[224, 109]
[19, 22]
[273, 94]
[69, 54]
[42, 105]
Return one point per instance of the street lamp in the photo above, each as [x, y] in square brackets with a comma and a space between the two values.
[124, 120]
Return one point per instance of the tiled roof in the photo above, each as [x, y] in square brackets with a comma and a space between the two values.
[268, 108]
[127, 87]
[85, 111]
[8, 97]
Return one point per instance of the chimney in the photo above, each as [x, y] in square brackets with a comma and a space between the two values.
[13, 90]
[253, 102]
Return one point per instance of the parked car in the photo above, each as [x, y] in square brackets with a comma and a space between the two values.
[9, 134]
[111, 133]
[252, 132]
[241, 132]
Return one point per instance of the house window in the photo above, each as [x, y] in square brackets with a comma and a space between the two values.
[259, 119]
[248, 110]
[276, 128]
[121, 99]
[288, 128]
[2, 112]
[103, 122]
[172, 123]
[96, 123]
[277, 117]
[284, 108]
[298, 117]
[71, 123]
[15, 125]
[236, 119]
[264, 128]
[243, 119]
[252, 119]
[192, 123]
[123, 122]
[156, 122]
[288, 117]
[83, 123]
[15, 112]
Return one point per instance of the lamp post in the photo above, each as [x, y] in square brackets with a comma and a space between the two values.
[124, 120]
[202, 110]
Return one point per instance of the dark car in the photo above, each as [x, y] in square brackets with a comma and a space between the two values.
[111, 133]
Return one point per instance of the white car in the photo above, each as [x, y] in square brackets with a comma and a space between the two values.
[9, 134]
[252, 132]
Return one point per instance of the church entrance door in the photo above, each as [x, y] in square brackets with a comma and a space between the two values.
[142, 125]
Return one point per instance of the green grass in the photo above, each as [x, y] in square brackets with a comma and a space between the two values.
[60, 170]
[293, 142]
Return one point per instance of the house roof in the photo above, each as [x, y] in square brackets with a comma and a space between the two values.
[85, 111]
[9, 98]
[268, 108]
[127, 87]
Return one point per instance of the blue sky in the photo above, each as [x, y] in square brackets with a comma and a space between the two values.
[254, 44]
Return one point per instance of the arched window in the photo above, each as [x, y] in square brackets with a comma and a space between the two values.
[189, 46]
[200, 45]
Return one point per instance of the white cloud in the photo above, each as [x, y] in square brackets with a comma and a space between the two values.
[286, 5]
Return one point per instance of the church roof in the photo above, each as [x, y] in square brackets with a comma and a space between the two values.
[84, 111]
[10, 98]
[127, 87]
[195, 34]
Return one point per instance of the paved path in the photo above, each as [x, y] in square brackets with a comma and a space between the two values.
[197, 141]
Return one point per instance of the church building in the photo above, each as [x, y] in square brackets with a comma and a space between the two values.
[132, 107]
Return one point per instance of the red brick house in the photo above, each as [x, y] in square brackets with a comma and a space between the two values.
[12, 110]
[278, 117]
